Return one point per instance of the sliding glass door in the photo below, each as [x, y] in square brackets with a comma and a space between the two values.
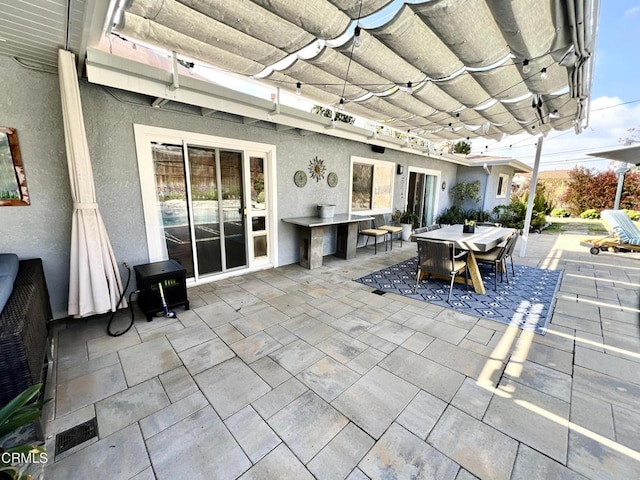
[200, 198]
[422, 194]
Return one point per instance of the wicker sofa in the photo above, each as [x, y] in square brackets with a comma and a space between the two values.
[23, 331]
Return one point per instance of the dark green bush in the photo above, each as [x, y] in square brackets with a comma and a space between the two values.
[456, 215]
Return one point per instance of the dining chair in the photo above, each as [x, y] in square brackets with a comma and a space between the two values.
[498, 258]
[440, 258]
[365, 228]
[380, 224]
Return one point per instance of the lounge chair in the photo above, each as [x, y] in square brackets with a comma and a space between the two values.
[623, 234]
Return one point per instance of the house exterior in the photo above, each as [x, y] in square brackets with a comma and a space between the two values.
[132, 144]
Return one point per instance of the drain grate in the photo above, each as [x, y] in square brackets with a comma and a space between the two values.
[379, 292]
[76, 435]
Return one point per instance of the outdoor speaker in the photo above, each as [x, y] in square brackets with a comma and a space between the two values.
[377, 148]
[399, 169]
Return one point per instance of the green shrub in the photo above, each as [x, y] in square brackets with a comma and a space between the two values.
[591, 213]
[456, 215]
[559, 212]
[633, 214]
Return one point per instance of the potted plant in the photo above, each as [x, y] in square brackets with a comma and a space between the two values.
[408, 221]
[17, 459]
[469, 226]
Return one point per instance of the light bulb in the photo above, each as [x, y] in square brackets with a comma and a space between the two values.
[357, 41]
[407, 88]
[525, 66]
[298, 89]
[341, 107]
[543, 74]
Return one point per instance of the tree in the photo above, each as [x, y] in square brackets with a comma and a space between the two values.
[462, 147]
[587, 189]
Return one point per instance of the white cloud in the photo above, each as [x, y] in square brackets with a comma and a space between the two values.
[609, 121]
[632, 11]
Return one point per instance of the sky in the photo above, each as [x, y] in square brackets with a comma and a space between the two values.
[615, 99]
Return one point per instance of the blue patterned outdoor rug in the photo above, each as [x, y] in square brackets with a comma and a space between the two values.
[526, 302]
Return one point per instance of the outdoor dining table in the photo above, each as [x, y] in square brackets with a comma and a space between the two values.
[482, 240]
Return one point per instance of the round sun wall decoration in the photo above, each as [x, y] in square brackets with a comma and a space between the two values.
[317, 169]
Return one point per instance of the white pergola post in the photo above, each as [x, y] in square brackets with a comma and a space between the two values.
[621, 173]
[532, 194]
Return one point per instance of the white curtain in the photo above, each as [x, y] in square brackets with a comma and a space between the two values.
[94, 279]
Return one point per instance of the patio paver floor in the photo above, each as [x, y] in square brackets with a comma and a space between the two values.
[287, 373]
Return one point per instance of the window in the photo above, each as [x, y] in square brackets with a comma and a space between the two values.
[503, 181]
[371, 185]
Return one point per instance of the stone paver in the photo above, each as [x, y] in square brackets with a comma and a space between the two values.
[532, 417]
[147, 360]
[255, 347]
[297, 356]
[307, 424]
[280, 463]
[328, 378]
[231, 386]
[184, 450]
[121, 456]
[422, 414]
[289, 373]
[480, 449]
[252, 433]
[375, 400]
[206, 355]
[407, 456]
[430, 376]
[129, 406]
[341, 455]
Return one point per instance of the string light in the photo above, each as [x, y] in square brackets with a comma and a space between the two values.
[341, 107]
[525, 66]
[357, 41]
[408, 88]
[298, 89]
[543, 73]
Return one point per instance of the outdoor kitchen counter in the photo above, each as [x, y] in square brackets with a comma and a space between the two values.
[311, 232]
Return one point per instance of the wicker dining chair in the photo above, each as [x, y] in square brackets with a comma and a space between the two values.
[441, 258]
[498, 258]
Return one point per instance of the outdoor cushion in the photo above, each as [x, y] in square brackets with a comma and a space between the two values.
[8, 273]
[622, 226]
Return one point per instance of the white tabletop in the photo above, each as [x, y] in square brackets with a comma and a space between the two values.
[483, 240]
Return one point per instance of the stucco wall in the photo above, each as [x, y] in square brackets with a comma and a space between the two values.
[488, 185]
[31, 104]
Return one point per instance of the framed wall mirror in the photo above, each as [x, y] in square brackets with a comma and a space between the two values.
[13, 183]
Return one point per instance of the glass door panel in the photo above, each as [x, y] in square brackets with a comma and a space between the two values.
[204, 200]
[258, 210]
[233, 209]
[171, 196]
[421, 196]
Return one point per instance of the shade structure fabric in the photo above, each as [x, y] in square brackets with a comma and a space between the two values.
[94, 279]
[461, 63]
